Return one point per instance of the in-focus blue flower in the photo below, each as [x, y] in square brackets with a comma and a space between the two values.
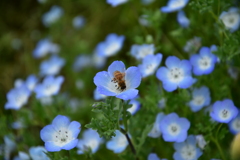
[182, 19]
[38, 153]
[200, 98]
[81, 62]
[174, 5]
[97, 96]
[224, 111]
[17, 97]
[176, 74]
[78, 22]
[187, 150]
[231, 19]
[52, 16]
[156, 131]
[192, 45]
[118, 81]
[150, 64]
[51, 66]
[234, 124]
[204, 62]
[118, 143]
[50, 86]
[112, 44]
[61, 134]
[174, 129]
[135, 106]
[115, 3]
[44, 47]
[91, 140]
[140, 51]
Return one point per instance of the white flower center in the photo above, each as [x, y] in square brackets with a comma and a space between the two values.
[198, 100]
[49, 89]
[176, 4]
[230, 19]
[93, 143]
[112, 48]
[188, 152]
[204, 62]
[175, 75]
[62, 137]
[121, 140]
[174, 129]
[236, 124]
[224, 114]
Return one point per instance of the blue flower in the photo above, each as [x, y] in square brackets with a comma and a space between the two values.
[38, 153]
[52, 16]
[223, 111]
[182, 19]
[192, 45]
[187, 150]
[22, 156]
[204, 62]
[50, 86]
[201, 143]
[17, 97]
[118, 81]
[135, 106]
[61, 134]
[140, 51]
[30, 82]
[9, 147]
[118, 143]
[156, 131]
[78, 22]
[174, 129]
[52, 66]
[97, 96]
[115, 3]
[153, 156]
[234, 124]
[81, 62]
[174, 5]
[200, 98]
[112, 44]
[90, 140]
[231, 19]
[44, 47]
[150, 64]
[177, 74]
[98, 61]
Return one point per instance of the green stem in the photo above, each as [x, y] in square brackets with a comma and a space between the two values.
[69, 154]
[124, 117]
[219, 147]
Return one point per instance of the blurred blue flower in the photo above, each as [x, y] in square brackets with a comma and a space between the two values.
[201, 143]
[51, 66]
[9, 147]
[231, 19]
[18, 124]
[78, 22]
[150, 64]
[156, 131]
[17, 97]
[182, 19]
[50, 86]
[91, 140]
[135, 106]
[147, 1]
[97, 96]
[200, 98]
[52, 16]
[187, 150]
[153, 156]
[177, 74]
[174, 5]
[44, 47]
[30, 82]
[118, 81]
[140, 51]
[115, 3]
[234, 124]
[223, 111]
[204, 62]
[112, 44]
[143, 20]
[37, 153]
[22, 156]
[174, 129]
[118, 143]
[81, 62]
[98, 61]
[192, 45]
[61, 134]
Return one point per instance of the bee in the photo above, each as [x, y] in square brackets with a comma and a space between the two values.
[119, 78]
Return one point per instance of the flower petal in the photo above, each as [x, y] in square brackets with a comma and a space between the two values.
[186, 82]
[75, 128]
[61, 121]
[169, 86]
[116, 66]
[105, 91]
[51, 147]
[172, 61]
[133, 77]
[47, 132]
[102, 79]
[129, 94]
[162, 74]
[70, 145]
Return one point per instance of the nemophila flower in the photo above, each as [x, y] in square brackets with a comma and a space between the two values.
[18, 124]
[201, 143]
[9, 147]
[162, 103]
[234, 124]
[44, 47]
[182, 19]
[82, 61]
[36, 153]
[192, 45]
[98, 61]
[135, 106]
[112, 44]
[118, 81]
[187, 150]
[204, 62]
[153, 156]
[61, 134]
[46, 101]
[174, 5]
[78, 22]
[143, 20]
[233, 72]
[231, 19]
[118, 143]
[30, 82]
[17, 97]
[50, 86]
[115, 3]
[200, 98]
[91, 140]
[174, 129]
[52, 16]
[97, 96]
[22, 156]
[51, 66]
[140, 51]
[176, 74]
[223, 111]
[150, 64]
[156, 131]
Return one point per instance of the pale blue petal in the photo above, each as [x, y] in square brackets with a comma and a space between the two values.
[51, 147]
[186, 66]
[133, 77]
[184, 123]
[169, 86]
[102, 79]
[116, 66]
[129, 94]
[75, 128]
[70, 145]
[177, 156]
[47, 132]
[162, 74]
[172, 61]
[186, 82]
[60, 121]
[178, 146]
[182, 136]
[105, 91]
